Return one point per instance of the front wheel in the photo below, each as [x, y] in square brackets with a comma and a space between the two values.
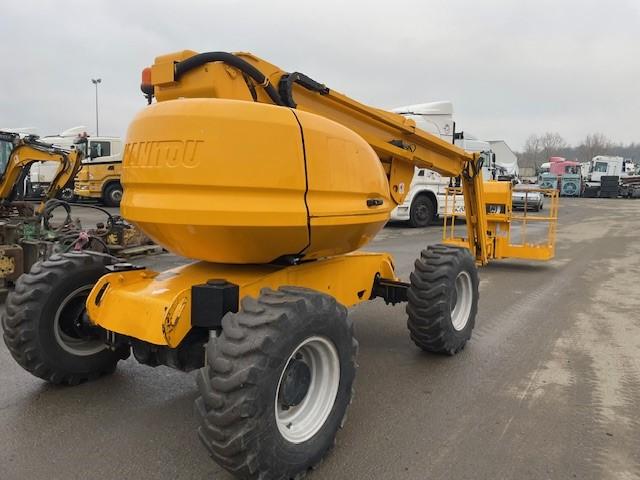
[443, 299]
[45, 328]
[277, 383]
[112, 195]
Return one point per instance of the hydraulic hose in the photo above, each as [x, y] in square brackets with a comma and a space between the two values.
[201, 58]
[54, 203]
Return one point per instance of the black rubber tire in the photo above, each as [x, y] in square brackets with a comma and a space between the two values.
[422, 212]
[66, 194]
[110, 195]
[431, 297]
[238, 385]
[28, 321]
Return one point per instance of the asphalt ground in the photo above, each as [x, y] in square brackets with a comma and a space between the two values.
[548, 387]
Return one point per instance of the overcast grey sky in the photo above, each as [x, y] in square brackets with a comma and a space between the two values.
[511, 67]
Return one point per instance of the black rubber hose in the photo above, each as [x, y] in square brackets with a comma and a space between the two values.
[51, 205]
[54, 203]
[201, 58]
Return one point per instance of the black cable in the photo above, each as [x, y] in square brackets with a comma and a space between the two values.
[285, 87]
[202, 58]
[94, 207]
[55, 203]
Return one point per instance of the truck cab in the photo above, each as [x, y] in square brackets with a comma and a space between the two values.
[97, 150]
[602, 165]
[99, 177]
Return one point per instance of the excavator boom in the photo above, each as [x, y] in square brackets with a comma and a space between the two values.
[17, 155]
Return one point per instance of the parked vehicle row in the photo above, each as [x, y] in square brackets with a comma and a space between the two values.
[99, 177]
[603, 176]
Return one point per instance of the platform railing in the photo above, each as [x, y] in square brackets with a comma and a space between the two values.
[512, 231]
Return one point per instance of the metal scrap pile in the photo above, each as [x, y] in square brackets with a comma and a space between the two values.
[630, 186]
[26, 237]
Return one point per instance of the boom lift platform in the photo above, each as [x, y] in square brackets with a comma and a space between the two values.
[271, 181]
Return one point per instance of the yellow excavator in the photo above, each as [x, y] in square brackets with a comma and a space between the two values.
[18, 153]
[23, 238]
[271, 182]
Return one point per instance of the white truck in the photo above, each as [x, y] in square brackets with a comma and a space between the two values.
[626, 185]
[602, 165]
[426, 197]
[99, 149]
[506, 161]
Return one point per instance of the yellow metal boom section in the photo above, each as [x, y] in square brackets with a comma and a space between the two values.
[28, 150]
[399, 144]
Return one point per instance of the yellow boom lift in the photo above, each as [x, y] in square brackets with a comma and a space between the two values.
[271, 182]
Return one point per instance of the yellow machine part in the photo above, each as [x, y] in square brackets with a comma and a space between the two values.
[501, 223]
[231, 181]
[156, 307]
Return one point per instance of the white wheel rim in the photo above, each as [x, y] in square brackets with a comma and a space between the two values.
[299, 423]
[74, 345]
[461, 309]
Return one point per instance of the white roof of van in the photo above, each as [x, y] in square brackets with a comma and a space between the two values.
[72, 132]
[431, 108]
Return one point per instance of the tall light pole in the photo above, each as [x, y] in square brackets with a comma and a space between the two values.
[96, 81]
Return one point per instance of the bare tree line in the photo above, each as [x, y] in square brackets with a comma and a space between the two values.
[538, 149]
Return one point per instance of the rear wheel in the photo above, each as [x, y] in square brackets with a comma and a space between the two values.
[112, 195]
[422, 212]
[277, 384]
[44, 324]
[443, 299]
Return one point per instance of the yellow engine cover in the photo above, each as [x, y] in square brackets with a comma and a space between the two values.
[231, 181]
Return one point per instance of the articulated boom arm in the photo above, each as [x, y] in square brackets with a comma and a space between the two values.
[399, 144]
[28, 150]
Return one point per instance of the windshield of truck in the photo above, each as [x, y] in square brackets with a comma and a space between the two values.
[600, 167]
[5, 154]
[100, 149]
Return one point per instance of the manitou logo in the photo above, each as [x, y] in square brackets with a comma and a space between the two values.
[164, 153]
